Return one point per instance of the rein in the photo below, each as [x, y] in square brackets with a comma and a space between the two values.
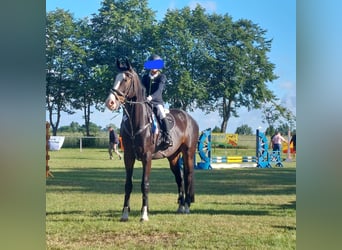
[123, 99]
[131, 121]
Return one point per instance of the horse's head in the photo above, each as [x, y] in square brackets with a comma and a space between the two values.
[124, 87]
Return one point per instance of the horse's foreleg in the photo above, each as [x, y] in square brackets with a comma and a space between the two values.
[128, 191]
[145, 185]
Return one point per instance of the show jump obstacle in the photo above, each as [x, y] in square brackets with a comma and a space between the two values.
[262, 159]
[47, 169]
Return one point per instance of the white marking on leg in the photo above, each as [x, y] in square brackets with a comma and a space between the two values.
[144, 216]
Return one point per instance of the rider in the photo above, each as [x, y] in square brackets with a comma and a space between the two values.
[154, 82]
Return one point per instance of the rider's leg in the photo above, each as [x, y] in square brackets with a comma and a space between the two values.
[164, 124]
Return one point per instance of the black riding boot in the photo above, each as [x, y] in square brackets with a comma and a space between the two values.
[166, 130]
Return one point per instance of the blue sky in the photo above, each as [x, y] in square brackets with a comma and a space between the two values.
[278, 17]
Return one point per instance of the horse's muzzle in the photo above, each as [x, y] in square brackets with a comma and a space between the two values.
[111, 103]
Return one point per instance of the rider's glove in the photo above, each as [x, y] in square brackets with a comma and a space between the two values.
[149, 98]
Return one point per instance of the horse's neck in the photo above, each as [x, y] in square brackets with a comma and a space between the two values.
[140, 115]
[139, 111]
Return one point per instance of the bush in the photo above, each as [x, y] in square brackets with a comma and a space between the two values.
[87, 142]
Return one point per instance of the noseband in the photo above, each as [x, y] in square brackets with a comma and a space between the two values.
[119, 95]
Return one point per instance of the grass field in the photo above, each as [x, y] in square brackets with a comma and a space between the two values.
[247, 208]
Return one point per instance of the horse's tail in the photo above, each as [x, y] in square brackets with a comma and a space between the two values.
[195, 134]
[192, 188]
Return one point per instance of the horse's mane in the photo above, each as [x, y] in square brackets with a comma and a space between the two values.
[141, 96]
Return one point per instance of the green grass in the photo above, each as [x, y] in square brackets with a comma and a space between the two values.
[234, 208]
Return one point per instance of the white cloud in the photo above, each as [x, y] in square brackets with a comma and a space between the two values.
[208, 5]
[172, 5]
[288, 98]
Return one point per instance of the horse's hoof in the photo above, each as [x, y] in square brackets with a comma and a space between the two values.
[143, 219]
[125, 213]
[181, 209]
[186, 209]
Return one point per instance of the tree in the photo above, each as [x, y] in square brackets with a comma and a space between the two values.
[270, 131]
[239, 67]
[87, 88]
[271, 113]
[184, 52]
[215, 63]
[216, 130]
[283, 129]
[123, 28]
[93, 129]
[74, 127]
[116, 129]
[274, 113]
[81, 55]
[212, 62]
[59, 41]
[290, 119]
[244, 130]
[288, 123]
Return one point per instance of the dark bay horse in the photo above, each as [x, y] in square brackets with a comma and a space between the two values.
[141, 142]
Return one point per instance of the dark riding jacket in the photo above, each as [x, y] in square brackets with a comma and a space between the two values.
[154, 87]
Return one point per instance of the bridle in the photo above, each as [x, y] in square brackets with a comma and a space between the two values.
[119, 95]
[125, 99]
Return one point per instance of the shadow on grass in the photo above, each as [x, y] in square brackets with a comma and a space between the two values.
[292, 205]
[79, 215]
[286, 228]
[217, 182]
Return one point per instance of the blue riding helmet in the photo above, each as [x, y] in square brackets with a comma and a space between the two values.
[154, 62]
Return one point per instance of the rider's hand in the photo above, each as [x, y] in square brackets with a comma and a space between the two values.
[149, 98]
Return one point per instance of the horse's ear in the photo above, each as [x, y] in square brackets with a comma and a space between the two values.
[119, 65]
[123, 67]
[128, 64]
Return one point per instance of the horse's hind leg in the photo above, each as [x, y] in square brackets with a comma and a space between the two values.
[177, 171]
[188, 158]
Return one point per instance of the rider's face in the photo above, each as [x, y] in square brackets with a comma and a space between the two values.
[153, 71]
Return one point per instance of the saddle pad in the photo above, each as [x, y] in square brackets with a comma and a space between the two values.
[170, 118]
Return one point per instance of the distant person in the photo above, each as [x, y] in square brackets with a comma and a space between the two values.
[113, 143]
[271, 142]
[276, 142]
[293, 141]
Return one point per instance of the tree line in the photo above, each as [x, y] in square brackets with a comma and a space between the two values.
[74, 128]
[212, 62]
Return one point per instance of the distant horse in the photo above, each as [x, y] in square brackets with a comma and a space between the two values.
[140, 140]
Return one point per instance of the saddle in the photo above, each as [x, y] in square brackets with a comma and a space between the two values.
[157, 130]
